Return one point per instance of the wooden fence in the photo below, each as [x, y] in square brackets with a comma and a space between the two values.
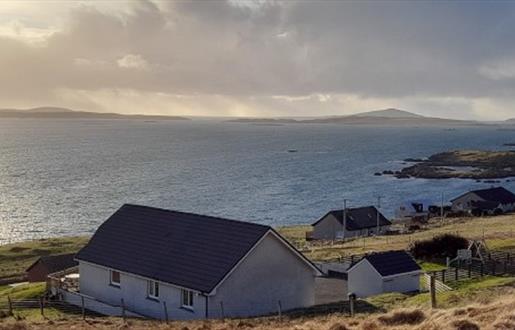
[439, 286]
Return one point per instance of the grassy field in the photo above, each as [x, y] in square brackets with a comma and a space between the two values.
[487, 303]
[15, 258]
[497, 231]
[492, 298]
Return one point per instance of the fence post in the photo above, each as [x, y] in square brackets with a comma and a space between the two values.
[280, 310]
[432, 289]
[493, 268]
[222, 309]
[456, 273]
[469, 270]
[481, 270]
[352, 302]
[42, 306]
[443, 275]
[352, 259]
[123, 310]
[166, 311]
[10, 305]
[83, 308]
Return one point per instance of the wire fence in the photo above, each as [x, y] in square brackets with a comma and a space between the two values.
[57, 309]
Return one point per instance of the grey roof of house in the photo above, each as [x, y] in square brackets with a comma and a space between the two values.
[359, 218]
[392, 262]
[498, 194]
[56, 263]
[188, 250]
[484, 205]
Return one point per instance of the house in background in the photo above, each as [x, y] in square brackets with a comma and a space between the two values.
[377, 273]
[350, 222]
[46, 265]
[193, 266]
[491, 200]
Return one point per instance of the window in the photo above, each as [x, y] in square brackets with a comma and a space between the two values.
[114, 278]
[153, 289]
[187, 299]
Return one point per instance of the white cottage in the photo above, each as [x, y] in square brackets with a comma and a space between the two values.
[350, 222]
[392, 271]
[190, 266]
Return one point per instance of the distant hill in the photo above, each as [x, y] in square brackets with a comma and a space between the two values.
[64, 113]
[386, 117]
[388, 113]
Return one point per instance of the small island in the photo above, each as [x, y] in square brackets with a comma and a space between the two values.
[463, 164]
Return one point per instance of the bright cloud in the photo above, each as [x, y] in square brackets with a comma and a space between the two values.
[259, 58]
[131, 61]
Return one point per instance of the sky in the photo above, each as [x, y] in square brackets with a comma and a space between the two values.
[260, 58]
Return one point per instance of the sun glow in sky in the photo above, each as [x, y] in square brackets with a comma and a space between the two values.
[260, 58]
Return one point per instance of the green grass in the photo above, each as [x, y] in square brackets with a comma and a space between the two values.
[16, 258]
[465, 292]
[431, 266]
[24, 291]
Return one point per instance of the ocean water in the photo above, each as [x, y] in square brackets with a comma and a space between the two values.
[66, 177]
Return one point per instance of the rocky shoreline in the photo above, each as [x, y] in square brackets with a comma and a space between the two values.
[463, 164]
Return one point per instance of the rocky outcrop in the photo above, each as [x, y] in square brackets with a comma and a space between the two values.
[465, 164]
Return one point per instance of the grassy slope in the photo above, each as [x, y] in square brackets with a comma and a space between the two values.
[15, 258]
[498, 233]
[483, 302]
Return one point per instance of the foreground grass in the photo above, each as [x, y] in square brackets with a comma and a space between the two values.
[488, 303]
[16, 258]
[498, 232]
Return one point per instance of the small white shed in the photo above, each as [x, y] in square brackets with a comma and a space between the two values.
[392, 271]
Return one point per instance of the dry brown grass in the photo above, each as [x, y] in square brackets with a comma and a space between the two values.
[401, 317]
[498, 314]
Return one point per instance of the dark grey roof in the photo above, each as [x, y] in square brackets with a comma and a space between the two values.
[56, 263]
[484, 205]
[188, 250]
[359, 218]
[392, 262]
[499, 194]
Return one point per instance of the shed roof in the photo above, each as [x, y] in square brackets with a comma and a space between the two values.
[188, 250]
[392, 262]
[55, 263]
[358, 218]
[497, 194]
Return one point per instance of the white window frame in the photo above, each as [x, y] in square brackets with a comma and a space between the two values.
[186, 299]
[111, 281]
[153, 289]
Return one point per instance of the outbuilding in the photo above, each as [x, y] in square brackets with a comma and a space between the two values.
[377, 273]
[168, 264]
[46, 265]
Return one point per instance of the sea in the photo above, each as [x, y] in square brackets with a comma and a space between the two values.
[65, 177]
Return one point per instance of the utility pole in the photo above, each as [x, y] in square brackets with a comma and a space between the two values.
[441, 209]
[377, 213]
[344, 220]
